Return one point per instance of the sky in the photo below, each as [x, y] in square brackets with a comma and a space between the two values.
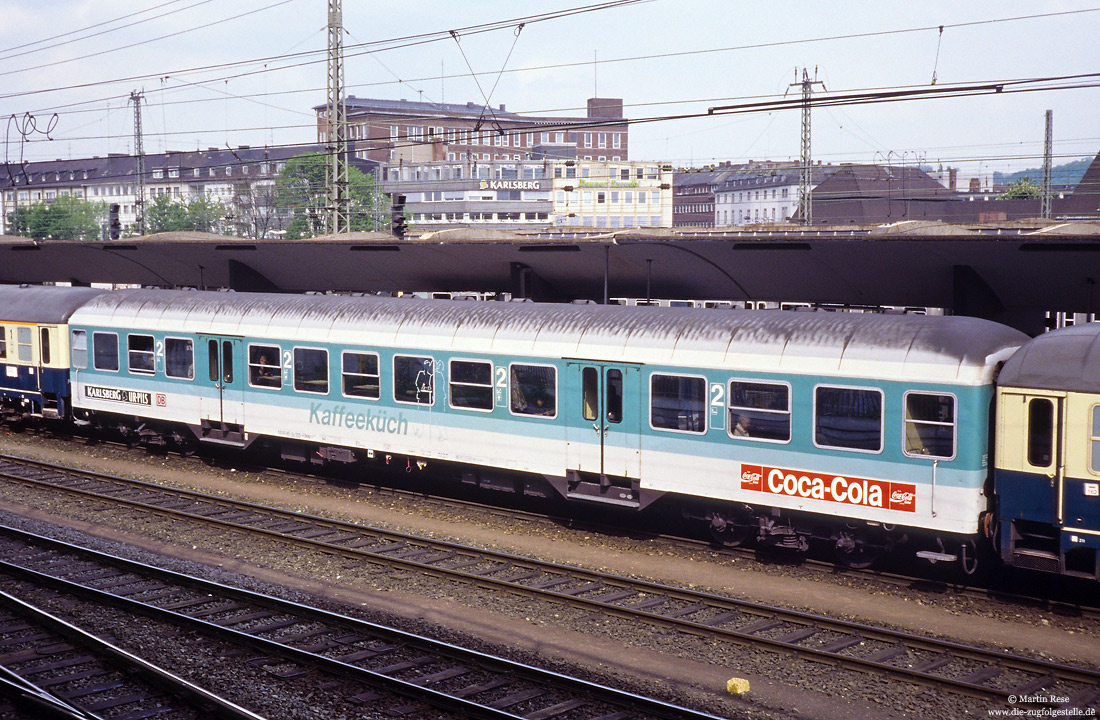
[248, 72]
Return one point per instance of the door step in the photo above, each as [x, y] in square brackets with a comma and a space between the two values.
[223, 433]
[603, 491]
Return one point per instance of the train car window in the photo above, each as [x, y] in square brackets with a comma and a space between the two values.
[760, 411]
[263, 366]
[105, 351]
[614, 395]
[533, 390]
[1040, 432]
[471, 385]
[140, 354]
[1094, 463]
[848, 418]
[929, 425]
[212, 357]
[23, 339]
[311, 370]
[3, 342]
[79, 349]
[590, 391]
[678, 402]
[44, 339]
[360, 377]
[227, 361]
[179, 358]
[414, 379]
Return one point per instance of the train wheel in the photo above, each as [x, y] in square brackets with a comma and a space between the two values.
[185, 443]
[730, 529]
[856, 548]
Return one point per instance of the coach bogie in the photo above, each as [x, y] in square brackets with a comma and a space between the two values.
[859, 546]
[780, 531]
[732, 527]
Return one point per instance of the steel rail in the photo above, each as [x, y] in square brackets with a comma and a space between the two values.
[592, 694]
[157, 681]
[690, 611]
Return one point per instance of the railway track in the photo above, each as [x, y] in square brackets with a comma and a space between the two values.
[972, 671]
[1008, 586]
[50, 668]
[392, 672]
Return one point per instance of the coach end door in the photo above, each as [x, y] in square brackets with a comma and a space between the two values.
[1031, 455]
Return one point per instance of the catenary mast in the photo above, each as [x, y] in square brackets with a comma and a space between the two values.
[336, 168]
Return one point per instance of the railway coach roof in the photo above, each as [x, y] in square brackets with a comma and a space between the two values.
[906, 347]
[1066, 359]
[48, 305]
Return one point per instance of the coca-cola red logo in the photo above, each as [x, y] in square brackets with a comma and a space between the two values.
[751, 477]
[903, 499]
[830, 488]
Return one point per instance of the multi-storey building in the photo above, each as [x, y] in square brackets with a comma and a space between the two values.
[403, 131]
[693, 194]
[237, 177]
[516, 194]
[753, 197]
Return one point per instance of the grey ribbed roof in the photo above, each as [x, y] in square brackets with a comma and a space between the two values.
[911, 347]
[1066, 359]
[42, 304]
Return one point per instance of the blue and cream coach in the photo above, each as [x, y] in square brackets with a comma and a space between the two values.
[34, 349]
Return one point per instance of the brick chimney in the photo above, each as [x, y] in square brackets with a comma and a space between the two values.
[605, 108]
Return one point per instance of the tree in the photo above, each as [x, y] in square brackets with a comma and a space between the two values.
[258, 212]
[165, 215]
[204, 213]
[301, 194]
[64, 218]
[1022, 189]
[200, 213]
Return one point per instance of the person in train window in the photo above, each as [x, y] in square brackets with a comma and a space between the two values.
[741, 429]
[264, 372]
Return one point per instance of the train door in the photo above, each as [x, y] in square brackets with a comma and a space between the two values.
[26, 371]
[225, 373]
[50, 382]
[605, 400]
[1031, 448]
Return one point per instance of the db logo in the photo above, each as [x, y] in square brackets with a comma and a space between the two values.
[162, 400]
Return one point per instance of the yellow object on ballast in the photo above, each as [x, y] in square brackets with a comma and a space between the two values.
[737, 686]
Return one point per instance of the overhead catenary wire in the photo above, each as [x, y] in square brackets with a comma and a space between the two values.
[656, 117]
[320, 55]
[146, 41]
[410, 40]
[754, 104]
[52, 38]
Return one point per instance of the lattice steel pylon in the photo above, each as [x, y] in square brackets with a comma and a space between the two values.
[805, 175]
[1048, 161]
[336, 168]
[139, 157]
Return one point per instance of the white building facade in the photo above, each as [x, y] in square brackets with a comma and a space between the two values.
[518, 194]
[756, 198]
[235, 177]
